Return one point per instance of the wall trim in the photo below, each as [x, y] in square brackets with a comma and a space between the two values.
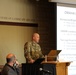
[19, 24]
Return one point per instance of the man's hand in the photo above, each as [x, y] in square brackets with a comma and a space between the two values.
[31, 61]
[17, 63]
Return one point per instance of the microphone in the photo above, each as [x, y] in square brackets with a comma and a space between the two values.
[46, 71]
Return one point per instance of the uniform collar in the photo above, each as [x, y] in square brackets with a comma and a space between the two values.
[34, 42]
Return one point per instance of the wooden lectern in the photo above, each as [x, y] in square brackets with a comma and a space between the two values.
[51, 64]
[61, 67]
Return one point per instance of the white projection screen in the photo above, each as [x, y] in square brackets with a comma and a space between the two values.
[66, 35]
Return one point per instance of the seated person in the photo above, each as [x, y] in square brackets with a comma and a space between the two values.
[32, 50]
[11, 67]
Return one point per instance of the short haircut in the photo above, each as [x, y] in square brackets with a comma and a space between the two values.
[10, 59]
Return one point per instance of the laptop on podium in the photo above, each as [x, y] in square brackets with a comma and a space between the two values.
[52, 55]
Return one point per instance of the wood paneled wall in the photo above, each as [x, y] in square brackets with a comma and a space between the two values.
[47, 26]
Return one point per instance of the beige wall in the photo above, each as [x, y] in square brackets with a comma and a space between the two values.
[17, 11]
[12, 39]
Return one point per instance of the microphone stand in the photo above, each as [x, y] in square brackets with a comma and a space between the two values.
[46, 73]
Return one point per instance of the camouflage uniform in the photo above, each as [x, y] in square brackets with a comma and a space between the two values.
[32, 50]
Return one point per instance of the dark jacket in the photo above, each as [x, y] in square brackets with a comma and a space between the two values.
[8, 70]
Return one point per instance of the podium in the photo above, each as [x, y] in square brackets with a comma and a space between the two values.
[52, 65]
[61, 67]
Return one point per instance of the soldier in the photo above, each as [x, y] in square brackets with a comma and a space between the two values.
[32, 50]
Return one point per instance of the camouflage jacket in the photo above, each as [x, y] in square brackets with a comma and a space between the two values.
[32, 50]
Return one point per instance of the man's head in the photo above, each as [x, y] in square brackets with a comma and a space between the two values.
[36, 37]
[11, 59]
